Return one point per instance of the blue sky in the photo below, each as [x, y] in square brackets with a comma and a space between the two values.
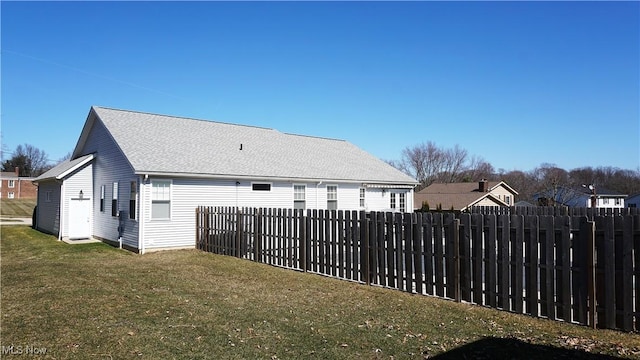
[516, 83]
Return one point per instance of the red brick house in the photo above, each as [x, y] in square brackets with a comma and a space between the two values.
[13, 186]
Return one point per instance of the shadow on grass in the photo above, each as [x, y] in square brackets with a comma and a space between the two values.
[509, 348]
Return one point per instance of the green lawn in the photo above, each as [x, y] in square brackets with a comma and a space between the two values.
[96, 302]
[17, 207]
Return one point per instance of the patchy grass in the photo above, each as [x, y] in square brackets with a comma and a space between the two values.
[17, 207]
[95, 301]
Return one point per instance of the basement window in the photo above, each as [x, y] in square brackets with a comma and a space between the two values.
[261, 187]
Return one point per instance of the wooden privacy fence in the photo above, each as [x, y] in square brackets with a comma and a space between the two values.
[553, 266]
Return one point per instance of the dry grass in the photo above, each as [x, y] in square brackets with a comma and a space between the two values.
[96, 302]
[17, 207]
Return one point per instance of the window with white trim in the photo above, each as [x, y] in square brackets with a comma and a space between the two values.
[393, 200]
[11, 195]
[161, 199]
[403, 203]
[362, 192]
[332, 197]
[102, 198]
[133, 194]
[114, 200]
[12, 183]
[507, 199]
[299, 197]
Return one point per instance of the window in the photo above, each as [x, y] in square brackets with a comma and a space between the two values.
[12, 183]
[161, 199]
[132, 200]
[403, 203]
[114, 200]
[47, 196]
[507, 199]
[261, 187]
[102, 198]
[362, 192]
[618, 201]
[299, 197]
[332, 197]
[393, 200]
[605, 201]
[11, 195]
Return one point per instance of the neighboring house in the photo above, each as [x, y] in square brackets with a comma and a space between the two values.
[137, 177]
[13, 186]
[633, 201]
[581, 197]
[463, 196]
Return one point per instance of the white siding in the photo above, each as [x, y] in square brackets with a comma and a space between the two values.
[71, 187]
[48, 212]
[188, 194]
[110, 166]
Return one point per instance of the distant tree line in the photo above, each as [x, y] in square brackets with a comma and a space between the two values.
[429, 164]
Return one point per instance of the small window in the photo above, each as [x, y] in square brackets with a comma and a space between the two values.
[362, 192]
[299, 198]
[605, 201]
[403, 203]
[261, 187]
[114, 200]
[132, 200]
[11, 195]
[618, 201]
[102, 198]
[507, 199]
[393, 200]
[332, 197]
[47, 196]
[12, 183]
[161, 199]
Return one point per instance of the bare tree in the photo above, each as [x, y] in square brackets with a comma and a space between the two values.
[423, 161]
[479, 169]
[30, 161]
[453, 164]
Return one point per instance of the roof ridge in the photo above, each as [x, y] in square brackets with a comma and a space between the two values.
[183, 117]
[315, 137]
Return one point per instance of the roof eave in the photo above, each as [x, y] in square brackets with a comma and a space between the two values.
[369, 183]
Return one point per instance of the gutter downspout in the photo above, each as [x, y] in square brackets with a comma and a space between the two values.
[317, 185]
[61, 204]
[142, 214]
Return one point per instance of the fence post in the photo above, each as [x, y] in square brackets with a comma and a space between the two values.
[591, 274]
[303, 240]
[456, 259]
[364, 231]
[238, 232]
[198, 228]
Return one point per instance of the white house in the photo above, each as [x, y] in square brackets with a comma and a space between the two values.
[585, 196]
[138, 178]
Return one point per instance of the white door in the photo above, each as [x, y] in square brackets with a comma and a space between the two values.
[79, 218]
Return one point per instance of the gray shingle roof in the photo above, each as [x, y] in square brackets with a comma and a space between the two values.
[61, 170]
[174, 145]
